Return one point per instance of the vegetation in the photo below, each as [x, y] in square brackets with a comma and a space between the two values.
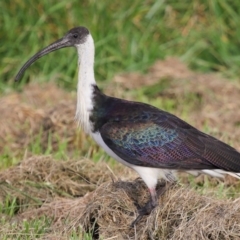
[129, 37]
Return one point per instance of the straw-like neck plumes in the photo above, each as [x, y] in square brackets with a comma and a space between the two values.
[86, 81]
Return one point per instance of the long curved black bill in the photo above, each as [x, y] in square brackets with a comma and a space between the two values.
[61, 43]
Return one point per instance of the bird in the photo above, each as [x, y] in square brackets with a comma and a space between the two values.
[154, 143]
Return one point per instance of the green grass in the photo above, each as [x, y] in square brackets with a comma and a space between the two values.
[129, 36]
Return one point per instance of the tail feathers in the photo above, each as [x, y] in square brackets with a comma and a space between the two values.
[220, 173]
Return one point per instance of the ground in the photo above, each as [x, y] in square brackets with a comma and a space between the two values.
[57, 184]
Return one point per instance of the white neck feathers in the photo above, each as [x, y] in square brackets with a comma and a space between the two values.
[85, 82]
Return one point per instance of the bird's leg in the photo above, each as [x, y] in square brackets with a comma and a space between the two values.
[151, 204]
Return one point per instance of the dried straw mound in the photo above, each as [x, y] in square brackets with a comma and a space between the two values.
[38, 180]
[38, 113]
[108, 212]
[88, 197]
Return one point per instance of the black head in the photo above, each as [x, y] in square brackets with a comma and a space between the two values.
[74, 37]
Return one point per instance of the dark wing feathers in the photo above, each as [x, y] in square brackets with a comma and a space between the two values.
[221, 155]
[155, 138]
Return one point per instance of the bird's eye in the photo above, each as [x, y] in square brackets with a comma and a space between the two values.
[75, 35]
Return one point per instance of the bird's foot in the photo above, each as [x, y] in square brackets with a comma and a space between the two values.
[146, 210]
[150, 205]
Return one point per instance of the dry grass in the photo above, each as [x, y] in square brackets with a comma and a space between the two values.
[106, 208]
[39, 179]
[39, 113]
[90, 197]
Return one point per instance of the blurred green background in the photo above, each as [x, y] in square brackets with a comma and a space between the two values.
[129, 36]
